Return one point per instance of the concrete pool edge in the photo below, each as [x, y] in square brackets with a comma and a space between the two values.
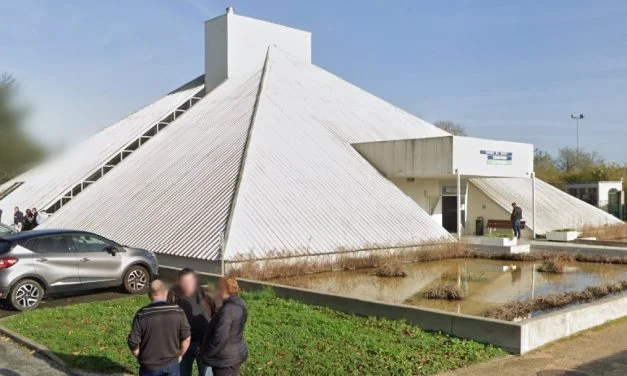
[544, 329]
[515, 337]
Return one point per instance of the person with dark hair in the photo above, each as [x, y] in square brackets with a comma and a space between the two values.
[199, 307]
[18, 219]
[29, 221]
[516, 218]
[35, 216]
[224, 347]
[160, 334]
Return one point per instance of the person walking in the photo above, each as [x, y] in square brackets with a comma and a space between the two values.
[516, 218]
[199, 307]
[224, 347]
[160, 334]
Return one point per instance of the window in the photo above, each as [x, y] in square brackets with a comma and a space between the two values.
[49, 244]
[90, 243]
[11, 188]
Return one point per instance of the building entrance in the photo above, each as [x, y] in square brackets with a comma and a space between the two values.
[449, 213]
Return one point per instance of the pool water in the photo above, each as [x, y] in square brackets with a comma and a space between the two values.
[485, 283]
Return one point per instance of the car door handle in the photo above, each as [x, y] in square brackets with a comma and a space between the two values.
[43, 259]
[84, 259]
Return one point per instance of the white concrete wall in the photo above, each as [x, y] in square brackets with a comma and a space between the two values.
[216, 52]
[551, 327]
[420, 190]
[412, 157]
[236, 46]
[604, 190]
[470, 156]
[479, 204]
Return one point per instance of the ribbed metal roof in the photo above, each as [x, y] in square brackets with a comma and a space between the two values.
[555, 209]
[173, 195]
[45, 183]
[305, 189]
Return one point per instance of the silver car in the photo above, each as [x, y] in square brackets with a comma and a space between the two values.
[41, 262]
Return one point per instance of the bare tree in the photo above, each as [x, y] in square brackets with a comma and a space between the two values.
[451, 127]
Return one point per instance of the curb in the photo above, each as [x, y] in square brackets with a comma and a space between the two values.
[38, 348]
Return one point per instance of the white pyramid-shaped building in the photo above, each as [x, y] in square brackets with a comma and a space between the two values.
[257, 158]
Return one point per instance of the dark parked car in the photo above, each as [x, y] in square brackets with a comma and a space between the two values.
[40, 262]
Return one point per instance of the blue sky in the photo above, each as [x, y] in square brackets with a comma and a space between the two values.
[511, 70]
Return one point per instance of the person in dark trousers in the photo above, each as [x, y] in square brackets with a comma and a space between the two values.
[18, 219]
[29, 221]
[224, 347]
[160, 334]
[516, 217]
[199, 307]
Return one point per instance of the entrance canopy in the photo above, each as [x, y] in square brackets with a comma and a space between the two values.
[449, 155]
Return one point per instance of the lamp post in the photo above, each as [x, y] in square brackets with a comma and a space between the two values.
[577, 118]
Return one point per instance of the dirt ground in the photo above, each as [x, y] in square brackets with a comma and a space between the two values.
[599, 352]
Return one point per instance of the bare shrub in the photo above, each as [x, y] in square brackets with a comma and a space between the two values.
[391, 271]
[552, 265]
[607, 232]
[289, 265]
[447, 292]
[515, 310]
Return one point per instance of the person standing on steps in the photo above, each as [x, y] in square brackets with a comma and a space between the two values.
[516, 218]
[160, 334]
[199, 307]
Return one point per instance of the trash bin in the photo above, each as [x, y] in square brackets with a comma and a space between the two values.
[479, 226]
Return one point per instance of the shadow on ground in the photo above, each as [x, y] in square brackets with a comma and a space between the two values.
[60, 300]
[609, 366]
[614, 365]
[93, 365]
[8, 372]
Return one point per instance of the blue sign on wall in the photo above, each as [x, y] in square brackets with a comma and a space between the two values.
[498, 157]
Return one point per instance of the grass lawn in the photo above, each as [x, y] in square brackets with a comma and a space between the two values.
[284, 337]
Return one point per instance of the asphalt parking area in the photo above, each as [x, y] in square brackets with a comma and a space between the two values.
[60, 300]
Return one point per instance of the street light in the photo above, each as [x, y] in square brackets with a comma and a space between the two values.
[577, 118]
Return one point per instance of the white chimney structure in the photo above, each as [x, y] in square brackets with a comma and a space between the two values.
[236, 46]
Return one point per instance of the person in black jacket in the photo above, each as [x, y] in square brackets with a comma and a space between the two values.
[224, 347]
[516, 218]
[199, 307]
[160, 334]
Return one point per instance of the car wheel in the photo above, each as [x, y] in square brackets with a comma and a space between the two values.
[26, 294]
[136, 280]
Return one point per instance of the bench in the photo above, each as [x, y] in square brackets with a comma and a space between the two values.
[503, 223]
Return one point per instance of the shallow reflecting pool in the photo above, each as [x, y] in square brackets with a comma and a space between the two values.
[485, 283]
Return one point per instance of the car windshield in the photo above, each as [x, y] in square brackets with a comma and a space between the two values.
[5, 230]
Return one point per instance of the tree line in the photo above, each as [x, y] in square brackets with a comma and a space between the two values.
[18, 150]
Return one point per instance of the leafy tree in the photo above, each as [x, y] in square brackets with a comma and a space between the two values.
[18, 151]
[545, 167]
[570, 160]
[451, 127]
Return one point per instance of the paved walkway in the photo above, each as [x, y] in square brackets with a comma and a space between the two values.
[601, 352]
[18, 361]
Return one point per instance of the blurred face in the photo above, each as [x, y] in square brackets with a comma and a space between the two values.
[188, 284]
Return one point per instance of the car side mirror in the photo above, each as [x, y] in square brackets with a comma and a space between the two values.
[111, 249]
